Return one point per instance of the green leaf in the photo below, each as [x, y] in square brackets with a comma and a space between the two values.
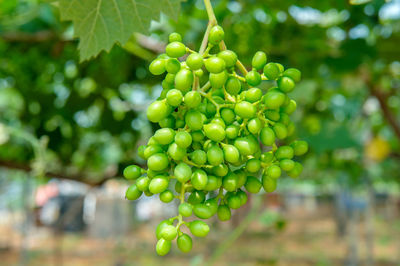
[99, 24]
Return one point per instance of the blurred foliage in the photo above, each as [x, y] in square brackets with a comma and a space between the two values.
[93, 113]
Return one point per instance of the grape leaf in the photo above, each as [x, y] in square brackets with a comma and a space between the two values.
[99, 24]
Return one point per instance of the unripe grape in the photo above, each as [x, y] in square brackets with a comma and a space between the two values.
[274, 171]
[212, 183]
[184, 80]
[267, 157]
[160, 227]
[158, 184]
[157, 67]
[199, 179]
[300, 147]
[215, 65]
[194, 120]
[253, 95]
[164, 136]
[224, 213]
[228, 115]
[177, 153]
[183, 139]
[286, 165]
[220, 170]
[218, 121]
[215, 155]
[158, 162]
[230, 181]
[246, 145]
[231, 153]
[290, 108]
[192, 99]
[241, 178]
[271, 71]
[281, 68]
[242, 196]
[174, 37]
[174, 97]
[169, 232]
[184, 243]
[284, 152]
[216, 35]
[272, 115]
[152, 149]
[253, 78]
[196, 197]
[166, 196]
[293, 73]
[254, 125]
[286, 84]
[253, 165]
[133, 193]
[269, 184]
[157, 111]
[142, 183]
[267, 136]
[140, 151]
[253, 185]
[202, 211]
[280, 130]
[229, 57]
[198, 157]
[232, 131]
[234, 202]
[245, 110]
[132, 172]
[217, 81]
[199, 73]
[172, 66]
[274, 100]
[175, 49]
[259, 60]
[214, 132]
[194, 61]
[199, 228]
[233, 86]
[296, 171]
[163, 247]
[185, 209]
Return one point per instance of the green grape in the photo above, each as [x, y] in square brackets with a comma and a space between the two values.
[214, 132]
[215, 155]
[233, 86]
[163, 247]
[216, 35]
[284, 119]
[274, 100]
[241, 178]
[212, 204]
[218, 80]
[152, 149]
[179, 123]
[184, 80]
[245, 110]
[197, 136]
[196, 197]
[253, 78]
[293, 73]
[253, 165]
[140, 151]
[224, 213]
[169, 232]
[218, 121]
[234, 202]
[232, 131]
[175, 152]
[267, 157]
[194, 61]
[259, 60]
[185, 209]
[202, 211]
[213, 183]
[281, 68]
[132, 172]
[193, 120]
[133, 193]
[271, 71]
[253, 184]
[300, 147]
[142, 183]
[174, 37]
[174, 97]
[231, 153]
[228, 115]
[274, 171]
[199, 228]
[199, 73]
[183, 139]
[199, 157]
[199, 179]
[296, 171]
[280, 130]
[192, 99]
[246, 145]
[175, 49]
[272, 115]
[158, 162]
[151, 173]
[160, 227]
[229, 57]
[172, 66]
[220, 170]
[167, 196]
[253, 95]
[254, 126]
[286, 84]
[157, 67]
[164, 136]
[284, 152]
[215, 65]
[286, 165]
[290, 108]
[158, 184]
[269, 184]
[230, 181]
[166, 87]
[168, 122]
[184, 243]
[157, 111]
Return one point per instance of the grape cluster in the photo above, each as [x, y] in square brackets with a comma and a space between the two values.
[218, 135]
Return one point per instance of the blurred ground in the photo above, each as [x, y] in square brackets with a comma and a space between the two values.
[309, 238]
